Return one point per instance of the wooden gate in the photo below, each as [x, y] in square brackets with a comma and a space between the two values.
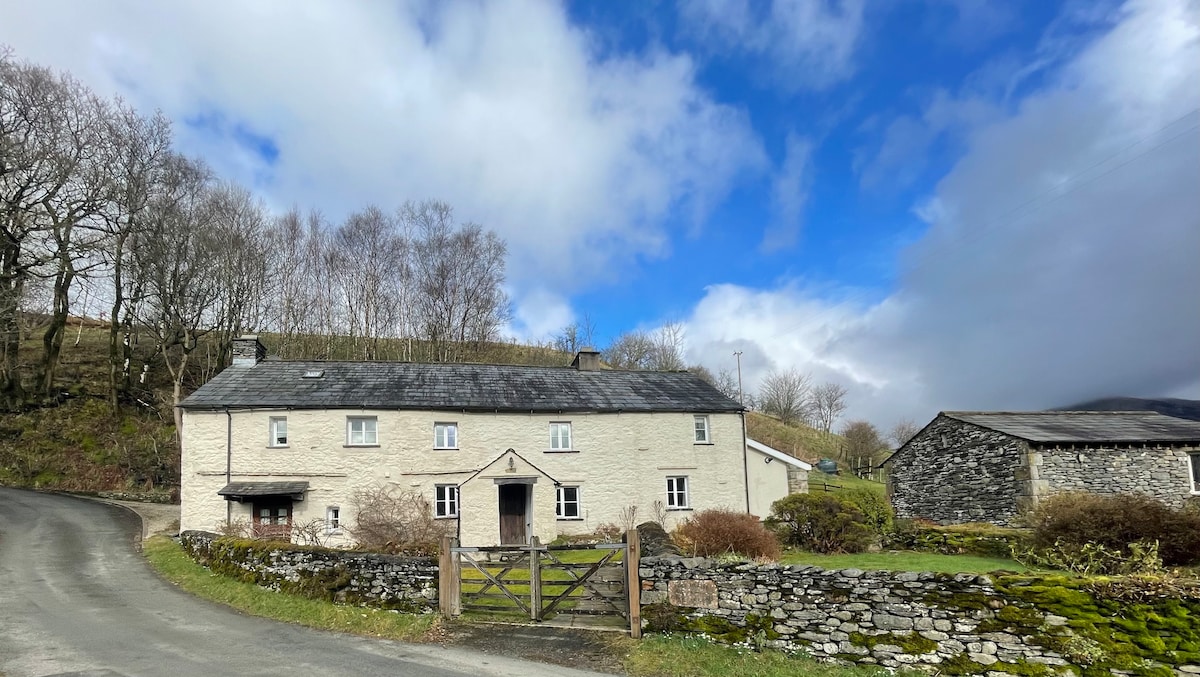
[541, 582]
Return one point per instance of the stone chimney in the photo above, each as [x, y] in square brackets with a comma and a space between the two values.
[587, 359]
[247, 351]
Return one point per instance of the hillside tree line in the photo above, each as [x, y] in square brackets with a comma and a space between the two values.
[101, 216]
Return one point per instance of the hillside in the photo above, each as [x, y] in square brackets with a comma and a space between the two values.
[77, 443]
[798, 440]
[1189, 409]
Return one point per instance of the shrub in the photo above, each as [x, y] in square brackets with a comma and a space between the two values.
[821, 523]
[1093, 558]
[710, 533]
[398, 522]
[1115, 521]
[875, 508]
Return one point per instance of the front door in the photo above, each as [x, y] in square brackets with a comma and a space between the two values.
[514, 501]
[273, 518]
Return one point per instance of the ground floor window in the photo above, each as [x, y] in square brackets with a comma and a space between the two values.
[566, 505]
[445, 500]
[333, 520]
[273, 518]
[1194, 460]
[677, 493]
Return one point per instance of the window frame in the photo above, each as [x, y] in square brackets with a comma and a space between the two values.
[674, 491]
[1194, 471]
[333, 519]
[696, 419]
[560, 501]
[350, 421]
[560, 426]
[445, 426]
[273, 435]
[445, 503]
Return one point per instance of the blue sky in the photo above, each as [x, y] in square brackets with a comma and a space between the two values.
[940, 204]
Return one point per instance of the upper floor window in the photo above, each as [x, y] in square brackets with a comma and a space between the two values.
[560, 436]
[361, 431]
[445, 500]
[566, 505]
[445, 435]
[279, 435]
[677, 493]
[700, 426]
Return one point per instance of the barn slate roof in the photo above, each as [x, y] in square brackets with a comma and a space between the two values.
[468, 387]
[1082, 427]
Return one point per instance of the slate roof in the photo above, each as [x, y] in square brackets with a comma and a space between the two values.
[239, 489]
[1081, 427]
[470, 387]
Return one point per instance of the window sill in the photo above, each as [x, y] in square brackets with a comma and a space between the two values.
[679, 509]
[702, 444]
[445, 448]
[561, 451]
[360, 446]
[278, 446]
[334, 532]
[568, 519]
[445, 517]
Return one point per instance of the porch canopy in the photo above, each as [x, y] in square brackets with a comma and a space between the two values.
[240, 491]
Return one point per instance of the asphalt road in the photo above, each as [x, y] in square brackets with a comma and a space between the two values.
[77, 599]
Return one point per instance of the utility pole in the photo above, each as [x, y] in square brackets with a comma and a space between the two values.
[741, 398]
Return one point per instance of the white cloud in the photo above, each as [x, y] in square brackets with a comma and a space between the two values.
[502, 109]
[1060, 260]
[810, 43]
[539, 316]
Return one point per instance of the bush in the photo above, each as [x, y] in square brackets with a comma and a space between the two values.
[397, 522]
[710, 533]
[821, 523]
[875, 508]
[1115, 521]
[1093, 559]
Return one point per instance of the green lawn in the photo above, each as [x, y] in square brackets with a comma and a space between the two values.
[905, 561]
[847, 481]
[173, 564]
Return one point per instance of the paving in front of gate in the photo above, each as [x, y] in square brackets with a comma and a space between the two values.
[574, 647]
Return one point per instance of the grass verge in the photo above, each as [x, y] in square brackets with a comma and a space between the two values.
[173, 564]
[906, 561]
[675, 656]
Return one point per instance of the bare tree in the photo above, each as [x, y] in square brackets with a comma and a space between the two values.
[862, 440]
[828, 404]
[630, 350]
[904, 430]
[658, 350]
[786, 394]
[576, 336]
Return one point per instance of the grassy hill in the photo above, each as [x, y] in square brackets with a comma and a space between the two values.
[810, 445]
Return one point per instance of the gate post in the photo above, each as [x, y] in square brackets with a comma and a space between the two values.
[633, 581]
[449, 579]
[535, 580]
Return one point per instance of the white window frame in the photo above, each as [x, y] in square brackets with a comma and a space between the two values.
[561, 501]
[371, 431]
[445, 501]
[678, 493]
[1194, 471]
[445, 435]
[557, 443]
[333, 519]
[273, 432]
[701, 429]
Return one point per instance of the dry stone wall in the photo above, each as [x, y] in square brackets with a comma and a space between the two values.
[952, 624]
[954, 472]
[370, 579]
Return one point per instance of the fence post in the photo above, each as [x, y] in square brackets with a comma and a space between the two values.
[445, 576]
[535, 580]
[633, 581]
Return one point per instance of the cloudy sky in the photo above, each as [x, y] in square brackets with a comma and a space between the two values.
[940, 204]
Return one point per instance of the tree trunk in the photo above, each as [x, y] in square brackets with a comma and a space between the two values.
[12, 394]
[52, 340]
[118, 370]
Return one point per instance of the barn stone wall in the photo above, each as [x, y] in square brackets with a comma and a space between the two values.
[954, 472]
[1161, 472]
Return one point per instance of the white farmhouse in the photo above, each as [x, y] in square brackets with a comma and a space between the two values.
[504, 452]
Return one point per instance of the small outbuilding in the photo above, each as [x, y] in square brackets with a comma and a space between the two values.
[771, 474]
[989, 466]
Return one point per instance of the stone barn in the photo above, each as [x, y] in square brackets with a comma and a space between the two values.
[989, 466]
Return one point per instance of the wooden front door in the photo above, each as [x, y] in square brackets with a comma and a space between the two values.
[514, 501]
[273, 518]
